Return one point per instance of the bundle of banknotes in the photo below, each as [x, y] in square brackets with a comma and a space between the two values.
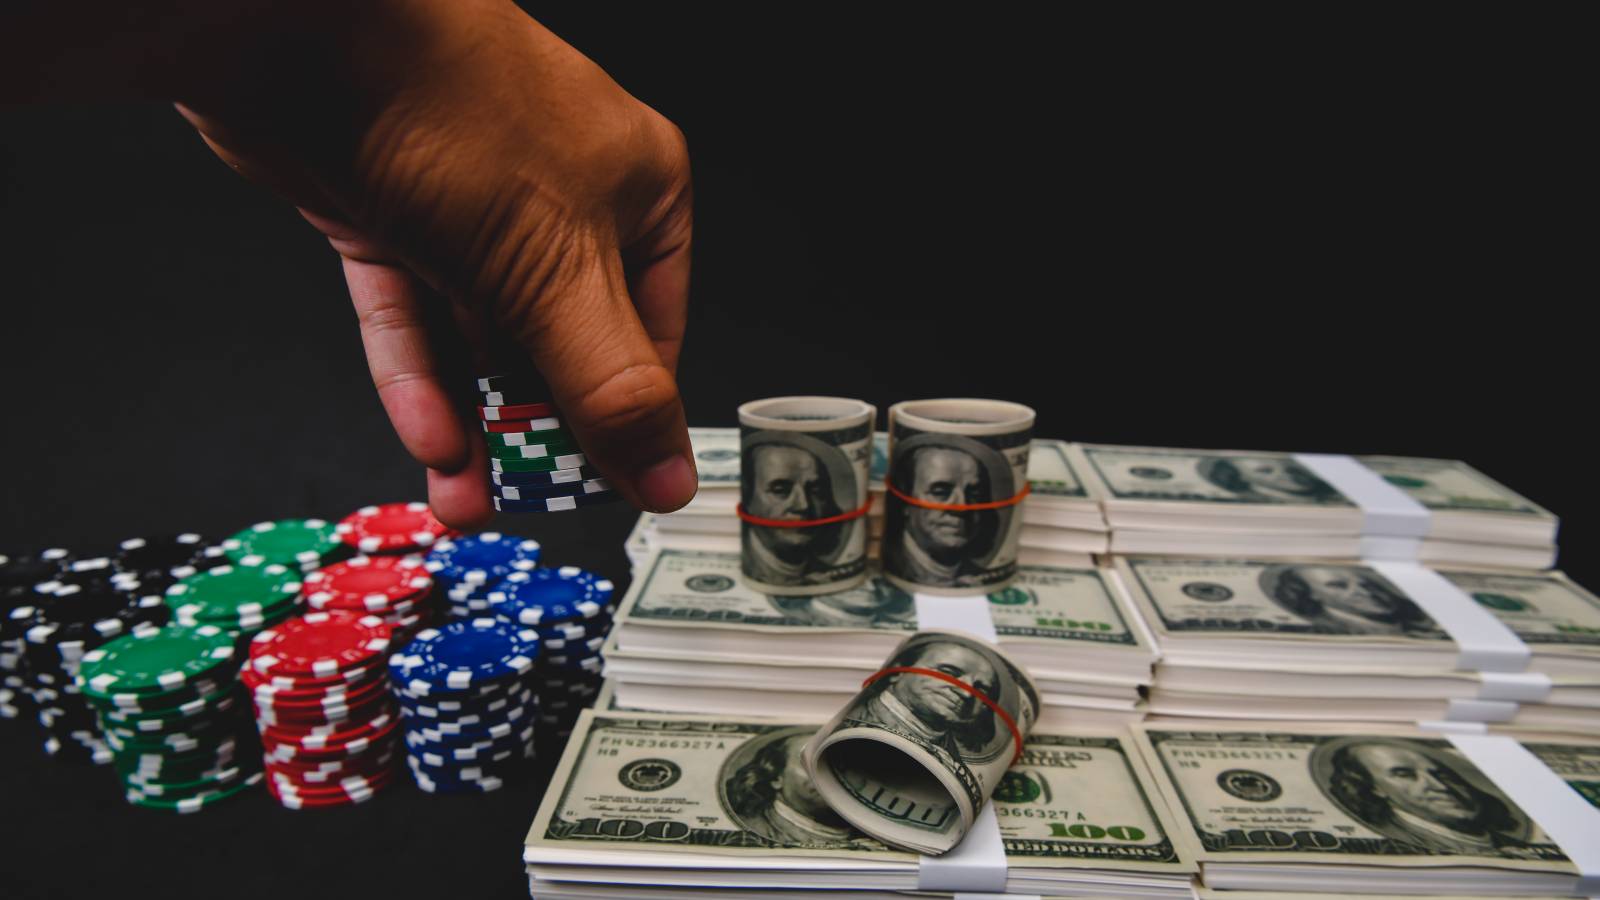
[1089, 499]
[1177, 673]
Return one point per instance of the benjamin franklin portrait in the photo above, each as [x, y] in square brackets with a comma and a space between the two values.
[793, 476]
[1335, 599]
[873, 603]
[1265, 478]
[767, 790]
[1411, 792]
[954, 548]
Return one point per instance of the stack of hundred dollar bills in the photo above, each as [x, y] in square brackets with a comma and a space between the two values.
[1062, 523]
[660, 807]
[691, 636]
[1257, 504]
[1320, 640]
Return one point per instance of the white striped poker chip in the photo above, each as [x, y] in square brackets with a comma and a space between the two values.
[545, 491]
[480, 558]
[384, 529]
[545, 597]
[465, 653]
[372, 583]
[564, 461]
[547, 423]
[553, 504]
[319, 644]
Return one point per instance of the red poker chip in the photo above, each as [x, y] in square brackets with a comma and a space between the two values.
[367, 766]
[392, 528]
[511, 426]
[311, 702]
[360, 675]
[315, 747]
[328, 722]
[340, 796]
[516, 411]
[367, 584]
[270, 694]
[312, 769]
[319, 644]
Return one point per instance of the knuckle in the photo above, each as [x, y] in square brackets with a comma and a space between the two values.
[631, 398]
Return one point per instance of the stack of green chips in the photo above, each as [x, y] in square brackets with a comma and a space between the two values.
[303, 545]
[169, 705]
[241, 599]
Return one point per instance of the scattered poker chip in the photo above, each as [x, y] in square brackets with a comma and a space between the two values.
[545, 464]
[543, 450]
[392, 528]
[367, 583]
[319, 644]
[481, 558]
[555, 504]
[547, 491]
[304, 544]
[558, 476]
[460, 654]
[512, 426]
[545, 597]
[516, 411]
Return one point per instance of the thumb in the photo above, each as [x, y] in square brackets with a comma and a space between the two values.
[613, 389]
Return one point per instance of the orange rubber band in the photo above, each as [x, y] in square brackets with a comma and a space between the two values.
[1016, 735]
[804, 523]
[961, 507]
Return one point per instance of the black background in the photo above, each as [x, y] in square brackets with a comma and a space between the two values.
[1164, 232]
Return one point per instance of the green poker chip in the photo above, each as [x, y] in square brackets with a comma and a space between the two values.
[237, 596]
[534, 451]
[524, 438]
[156, 661]
[195, 802]
[190, 786]
[544, 464]
[302, 544]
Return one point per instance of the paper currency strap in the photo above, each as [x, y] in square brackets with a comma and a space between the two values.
[804, 523]
[1011, 724]
[1013, 500]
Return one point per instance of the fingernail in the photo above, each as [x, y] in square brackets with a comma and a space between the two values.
[667, 485]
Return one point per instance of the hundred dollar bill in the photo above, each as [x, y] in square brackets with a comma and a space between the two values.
[1263, 794]
[1228, 477]
[716, 456]
[803, 471]
[1450, 485]
[1552, 615]
[637, 785]
[1576, 761]
[955, 466]
[912, 758]
[1051, 619]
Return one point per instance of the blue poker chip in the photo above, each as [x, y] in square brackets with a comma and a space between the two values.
[481, 558]
[542, 597]
[572, 477]
[464, 654]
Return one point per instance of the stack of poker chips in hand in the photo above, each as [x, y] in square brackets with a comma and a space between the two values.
[535, 463]
[322, 705]
[571, 611]
[468, 704]
[84, 605]
[168, 705]
[470, 566]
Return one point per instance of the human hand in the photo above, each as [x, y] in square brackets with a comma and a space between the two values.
[457, 147]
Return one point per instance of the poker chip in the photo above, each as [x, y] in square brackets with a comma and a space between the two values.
[160, 660]
[544, 597]
[516, 411]
[375, 584]
[554, 504]
[303, 544]
[244, 597]
[535, 479]
[482, 558]
[191, 804]
[524, 438]
[545, 464]
[535, 450]
[391, 528]
[152, 559]
[460, 654]
[525, 383]
[512, 426]
[319, 645]
[28, 569]
[545, 491]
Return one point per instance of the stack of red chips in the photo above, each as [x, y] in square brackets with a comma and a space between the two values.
[328, 724]
[396, 589]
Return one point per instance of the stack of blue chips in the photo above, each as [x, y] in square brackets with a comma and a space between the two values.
[469, 708]
[571, 612]
[466, 568]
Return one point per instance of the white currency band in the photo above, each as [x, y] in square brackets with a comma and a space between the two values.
[1565, 816]
[1460, 710]
[1449, 727]
[978, 863]
[1482, 641]
[1517, 687]
[1393, 524]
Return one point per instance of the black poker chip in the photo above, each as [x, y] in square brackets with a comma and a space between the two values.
[152, 559]
[73, 619]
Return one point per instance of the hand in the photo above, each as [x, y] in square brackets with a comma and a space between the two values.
[457, 147]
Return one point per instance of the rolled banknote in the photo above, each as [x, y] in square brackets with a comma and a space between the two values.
[957, 477]
[914, 756]
[803, 493]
